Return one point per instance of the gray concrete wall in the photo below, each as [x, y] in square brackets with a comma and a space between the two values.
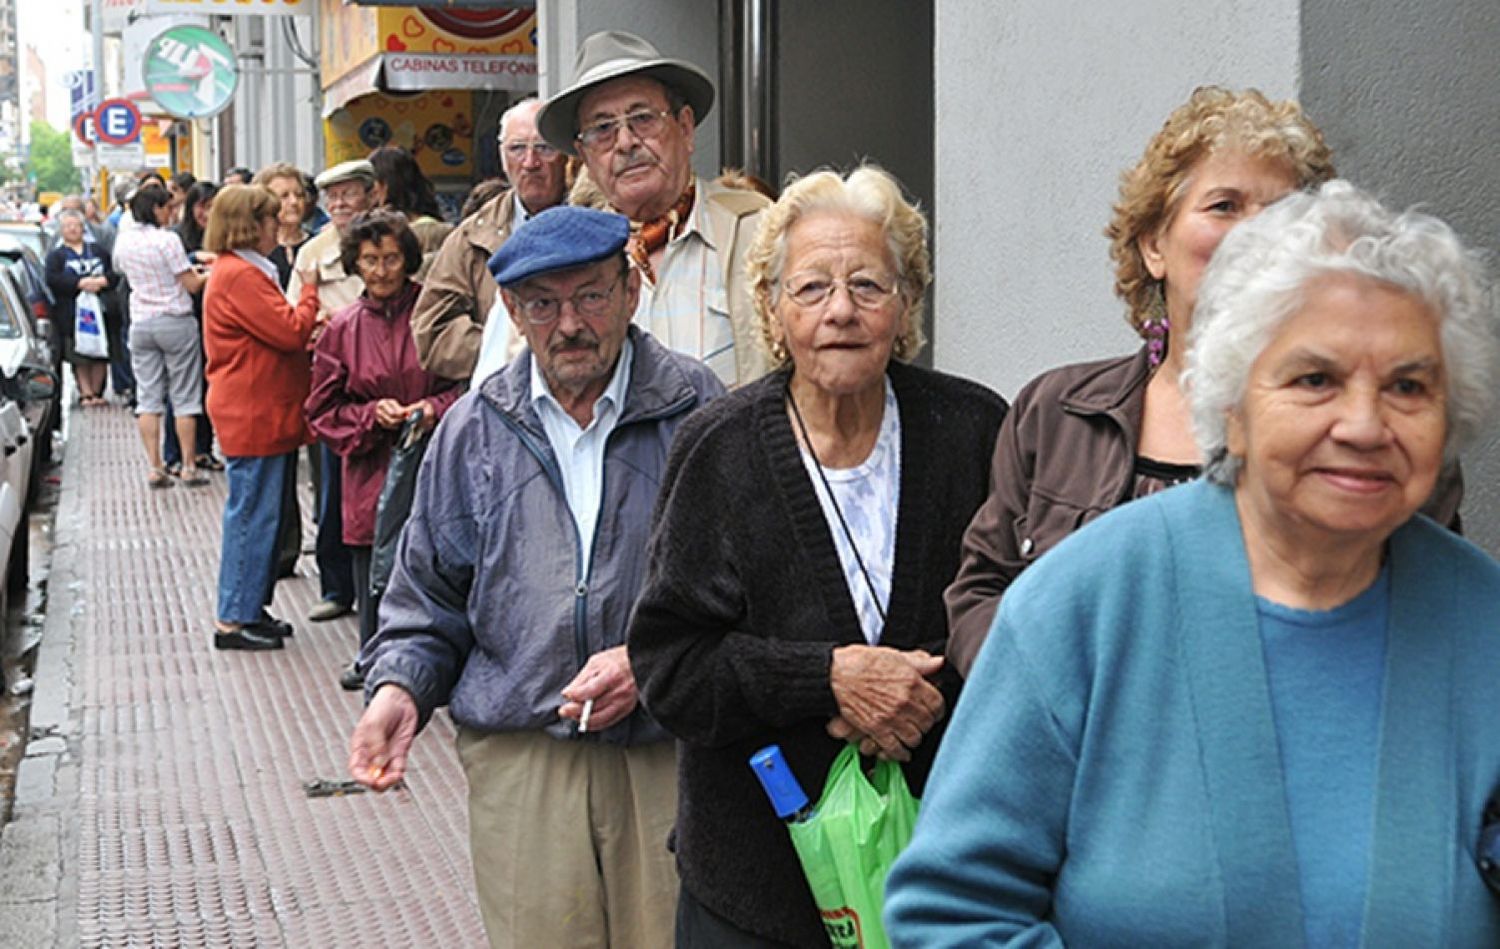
[682, 29]
[1039, 108]
[856, 83]
[1408, 93]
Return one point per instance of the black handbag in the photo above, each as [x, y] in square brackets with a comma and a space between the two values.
[396, 496]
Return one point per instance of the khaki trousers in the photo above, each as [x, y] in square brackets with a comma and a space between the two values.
[569, 840]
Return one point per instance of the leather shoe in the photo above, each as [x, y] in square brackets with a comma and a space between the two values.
[325, 610]
[269, 625]
[246, 637]
[351, 679]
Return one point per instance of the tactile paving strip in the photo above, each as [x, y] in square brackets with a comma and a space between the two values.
[193, 826]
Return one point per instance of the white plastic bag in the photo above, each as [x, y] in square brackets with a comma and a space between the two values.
[88, 327]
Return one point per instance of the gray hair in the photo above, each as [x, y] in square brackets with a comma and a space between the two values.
[1259, 275]
[530, 102]
[67, 213]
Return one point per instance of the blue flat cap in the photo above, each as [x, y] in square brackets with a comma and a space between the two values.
[557, 239]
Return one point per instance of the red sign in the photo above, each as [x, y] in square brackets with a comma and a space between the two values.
[83, 127]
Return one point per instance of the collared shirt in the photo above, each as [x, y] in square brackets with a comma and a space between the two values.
[253, 256]
[579, 450]
[687, 308]
[151, 258]
[521, 216]
[336, 289]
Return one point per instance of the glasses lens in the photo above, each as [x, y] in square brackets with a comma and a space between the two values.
[646, 123]
[809, 291]
[868, 292]
[600, 134]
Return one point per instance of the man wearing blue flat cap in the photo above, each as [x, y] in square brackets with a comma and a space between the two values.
[512, 589]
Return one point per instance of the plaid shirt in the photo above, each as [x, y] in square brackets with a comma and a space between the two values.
[686, 309]
[151, 258]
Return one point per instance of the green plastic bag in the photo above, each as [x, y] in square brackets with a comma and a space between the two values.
[859, 827]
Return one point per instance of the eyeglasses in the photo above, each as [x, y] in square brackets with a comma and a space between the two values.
[867, 291]
[384, 262]
[516, 151]
[643, 123]
[592, 302]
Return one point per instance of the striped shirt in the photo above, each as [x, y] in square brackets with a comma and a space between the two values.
[687, 308]
[151, 258]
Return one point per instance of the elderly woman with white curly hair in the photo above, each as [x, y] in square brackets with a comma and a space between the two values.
[1258, 709]
[806, 527]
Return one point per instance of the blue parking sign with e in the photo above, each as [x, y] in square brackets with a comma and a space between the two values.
[117, 122]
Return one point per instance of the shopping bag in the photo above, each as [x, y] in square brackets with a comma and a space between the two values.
[88, 327]
[847, 843]
[396, 494]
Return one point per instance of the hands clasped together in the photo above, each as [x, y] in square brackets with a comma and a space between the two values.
[886, 702]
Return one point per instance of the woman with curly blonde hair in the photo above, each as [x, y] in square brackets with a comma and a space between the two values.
[1085, 438]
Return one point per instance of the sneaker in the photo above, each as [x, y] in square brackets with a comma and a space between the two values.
[325, 610]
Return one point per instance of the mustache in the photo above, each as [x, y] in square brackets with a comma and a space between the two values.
[583, 339]
[637, 158]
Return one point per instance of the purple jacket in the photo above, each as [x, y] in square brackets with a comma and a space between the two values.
[366, 355]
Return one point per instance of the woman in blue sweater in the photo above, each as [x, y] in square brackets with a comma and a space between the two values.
[1259, 709]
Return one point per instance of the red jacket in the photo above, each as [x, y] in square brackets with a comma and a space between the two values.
[257, 359]
[368, 354]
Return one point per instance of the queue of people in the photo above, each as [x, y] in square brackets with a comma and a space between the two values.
[1181, 647]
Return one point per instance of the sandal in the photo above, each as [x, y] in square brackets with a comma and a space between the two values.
[208, 463]
[193, 478]
[158, 478]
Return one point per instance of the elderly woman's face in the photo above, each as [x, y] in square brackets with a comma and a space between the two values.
[842, 342]
[1223, 189]
[71, 229]
[1342, 426]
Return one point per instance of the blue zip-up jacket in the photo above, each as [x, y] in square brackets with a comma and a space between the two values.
[487, 609]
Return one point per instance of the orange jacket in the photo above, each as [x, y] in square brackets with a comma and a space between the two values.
[258, 367]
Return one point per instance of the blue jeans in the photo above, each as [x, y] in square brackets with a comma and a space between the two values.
[335, 566]
[252, 521]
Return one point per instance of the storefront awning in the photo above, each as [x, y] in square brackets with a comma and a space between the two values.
[419, 72]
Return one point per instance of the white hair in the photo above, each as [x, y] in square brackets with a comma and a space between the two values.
[530, 102]
[1259, 275]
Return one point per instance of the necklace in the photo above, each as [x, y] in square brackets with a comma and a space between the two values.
[837, 510]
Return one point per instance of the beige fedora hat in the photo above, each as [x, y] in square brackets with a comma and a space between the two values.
[614, 54]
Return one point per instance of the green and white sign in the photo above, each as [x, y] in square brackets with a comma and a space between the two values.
[190, 72]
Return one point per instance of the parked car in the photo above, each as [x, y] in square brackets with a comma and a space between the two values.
[27, 378]
[29, 233]
[29, 282]
[17, 449]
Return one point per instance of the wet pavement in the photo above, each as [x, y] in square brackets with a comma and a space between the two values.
[160, 801]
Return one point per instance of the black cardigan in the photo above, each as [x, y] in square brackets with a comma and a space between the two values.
[745, 601]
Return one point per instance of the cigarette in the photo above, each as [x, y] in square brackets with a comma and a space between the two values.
[583, 720]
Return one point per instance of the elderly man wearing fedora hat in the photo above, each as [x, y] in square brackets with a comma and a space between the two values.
[347, 191]
[513, 584]
[631, 114]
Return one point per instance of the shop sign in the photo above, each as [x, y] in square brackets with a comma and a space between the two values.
[233, 7]
[410, 71]
[190, 72]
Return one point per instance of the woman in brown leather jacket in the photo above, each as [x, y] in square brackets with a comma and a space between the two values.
[1085, 438]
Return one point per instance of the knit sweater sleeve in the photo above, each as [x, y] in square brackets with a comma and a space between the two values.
[705, 670]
